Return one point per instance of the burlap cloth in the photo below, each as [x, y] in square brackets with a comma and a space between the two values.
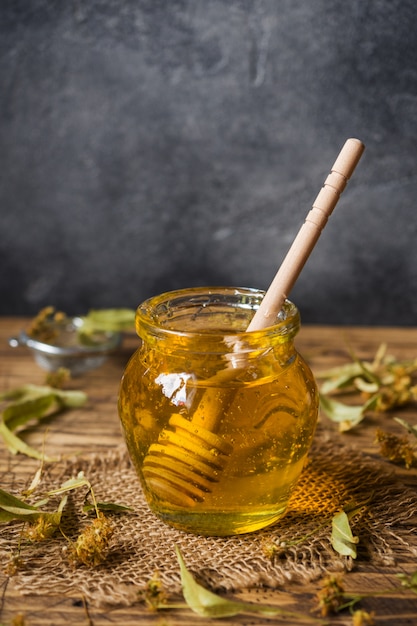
[297, 548]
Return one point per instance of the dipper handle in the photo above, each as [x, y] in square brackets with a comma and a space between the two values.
[308, 235]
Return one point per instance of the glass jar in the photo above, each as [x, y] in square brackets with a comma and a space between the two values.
[217, 421]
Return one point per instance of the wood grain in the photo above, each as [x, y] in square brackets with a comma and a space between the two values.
[95, 428]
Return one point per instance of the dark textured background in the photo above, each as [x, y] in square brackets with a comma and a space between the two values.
[148, 145]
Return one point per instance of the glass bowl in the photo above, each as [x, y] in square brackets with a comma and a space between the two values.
[69, 347]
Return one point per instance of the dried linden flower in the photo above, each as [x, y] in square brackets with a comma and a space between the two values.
[399, 392]
[40, 530]
[92, 546]
[331, 596]
[43, 326]
[59, 378]
[363, 618]
[396, 449]
[154, 595]
[270, 551]
[383, 385]
[14, 565]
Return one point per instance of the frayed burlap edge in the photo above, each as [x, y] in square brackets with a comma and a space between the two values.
[296, 549]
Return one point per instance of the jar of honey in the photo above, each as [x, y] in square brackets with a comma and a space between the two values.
[218, 421]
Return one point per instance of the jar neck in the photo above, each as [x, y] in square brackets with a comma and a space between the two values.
[213, 321]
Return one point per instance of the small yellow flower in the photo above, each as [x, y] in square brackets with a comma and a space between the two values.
[331, 596]
[396, 449]
[14, 565]
[40, 530]
[154, 595]
[363, 618]
[91, 547]
[59, 378]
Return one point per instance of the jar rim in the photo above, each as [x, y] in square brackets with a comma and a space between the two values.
[153, 315]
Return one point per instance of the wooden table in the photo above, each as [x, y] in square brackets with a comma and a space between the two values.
[97, 429]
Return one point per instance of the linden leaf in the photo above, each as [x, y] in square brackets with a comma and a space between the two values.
[345, 415]
[12, 394]
[72, 483]
[202, 601]
[70, 399]
[342, 539]
[35, 482]
[106, 507]
[365, 386]
[339, 377]
[108, 320]
[30, 406]
[12, 508]
[15, 444]
[341, 371]
[31, 402]
[208, 604]
[76, 483]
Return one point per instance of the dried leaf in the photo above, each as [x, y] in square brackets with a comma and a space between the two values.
[34, 401]
[31, 402]
[107, 507]
[342, 539]
[208, 604]
[30, 406]
[81, 481]
[76, 483]
[12, 394]
[365, 386]
[341, 377]
[347, 370]
[345, 415]
[12, 508]
[202, 601]
[108, 320]
[72, 483]
[70, 399]
[35, 482]
[369, 371]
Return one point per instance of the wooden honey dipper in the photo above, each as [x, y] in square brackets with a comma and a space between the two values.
[188, 458]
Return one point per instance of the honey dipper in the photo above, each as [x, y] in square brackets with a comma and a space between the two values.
[186, 461]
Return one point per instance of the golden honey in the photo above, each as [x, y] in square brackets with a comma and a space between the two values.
[218, 422]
